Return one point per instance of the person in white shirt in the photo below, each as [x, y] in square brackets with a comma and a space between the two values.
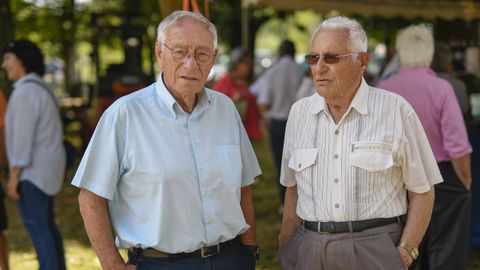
[357, 165]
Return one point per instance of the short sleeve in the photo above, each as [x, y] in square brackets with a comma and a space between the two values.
[250, 166]
[99, 171]
[454, 133]
[419, 167]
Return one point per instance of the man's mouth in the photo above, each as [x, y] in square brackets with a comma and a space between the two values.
[188, 78]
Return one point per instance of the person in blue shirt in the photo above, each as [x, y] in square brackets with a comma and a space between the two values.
[36, 156]
[170, 167]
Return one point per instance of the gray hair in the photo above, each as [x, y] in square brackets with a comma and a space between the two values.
[179, 15]
[358, 41]
[415, 46]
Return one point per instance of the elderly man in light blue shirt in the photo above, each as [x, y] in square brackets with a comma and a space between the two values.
[174, 164]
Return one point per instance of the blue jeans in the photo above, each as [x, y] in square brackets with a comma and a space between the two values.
[36, 210]
[237, 257]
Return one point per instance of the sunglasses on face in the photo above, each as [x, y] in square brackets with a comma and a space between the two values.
[328, 58]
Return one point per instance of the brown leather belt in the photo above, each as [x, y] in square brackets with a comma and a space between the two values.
[203, 252]
[349, 226]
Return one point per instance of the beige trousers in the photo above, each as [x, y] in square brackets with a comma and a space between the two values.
[372, 249]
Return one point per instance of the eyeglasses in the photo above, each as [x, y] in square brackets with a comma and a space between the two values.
[202, 56]
[328, 58]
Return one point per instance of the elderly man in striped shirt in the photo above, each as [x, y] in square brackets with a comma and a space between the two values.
[357, 165]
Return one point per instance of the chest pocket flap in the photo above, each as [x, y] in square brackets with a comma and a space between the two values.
[371, 156]
[303, 158]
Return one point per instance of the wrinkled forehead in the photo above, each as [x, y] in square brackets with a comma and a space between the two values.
[189, 31]
[331, 40]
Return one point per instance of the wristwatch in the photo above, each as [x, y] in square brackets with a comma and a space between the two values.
[412, 251]
[255, 250]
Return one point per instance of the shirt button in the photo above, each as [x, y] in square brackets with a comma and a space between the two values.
[337, 205]
[336, 132]
[335, 156]
[336, 180]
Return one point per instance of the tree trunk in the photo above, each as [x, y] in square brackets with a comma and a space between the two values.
[6, 34]
[68, 29]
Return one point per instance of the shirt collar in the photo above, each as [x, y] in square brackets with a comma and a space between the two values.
[29, 76]
[203, 99]
[359, 101]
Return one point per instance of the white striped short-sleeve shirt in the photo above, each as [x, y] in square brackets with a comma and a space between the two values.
[361, 167]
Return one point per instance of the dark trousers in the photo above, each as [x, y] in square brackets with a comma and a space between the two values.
[445, 245]
[237, 257]
[36, 211]
[277, 136]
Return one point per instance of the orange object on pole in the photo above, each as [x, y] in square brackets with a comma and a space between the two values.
[186, 5]
[207, 9]
[196, 6]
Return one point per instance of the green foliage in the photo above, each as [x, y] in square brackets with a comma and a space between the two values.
[297, 27]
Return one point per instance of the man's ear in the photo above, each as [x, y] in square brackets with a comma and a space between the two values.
[158, 53]
[215, 55]
[364, 59]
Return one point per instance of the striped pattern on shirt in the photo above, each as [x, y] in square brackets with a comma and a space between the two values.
[361, 167]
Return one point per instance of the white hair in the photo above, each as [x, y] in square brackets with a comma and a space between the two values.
[415, 46]
[179, 15]
[357, 39]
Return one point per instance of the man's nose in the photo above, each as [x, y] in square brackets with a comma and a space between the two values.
[190, 60]
[320, 65]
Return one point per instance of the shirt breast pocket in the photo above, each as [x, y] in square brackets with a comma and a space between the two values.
[302, 159]
[371, 156]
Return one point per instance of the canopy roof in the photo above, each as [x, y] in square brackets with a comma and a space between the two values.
[428, 9]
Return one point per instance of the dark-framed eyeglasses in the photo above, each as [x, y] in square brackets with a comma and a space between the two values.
[328, 58]
[202, 56]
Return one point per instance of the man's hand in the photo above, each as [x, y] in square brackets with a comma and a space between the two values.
[462, 167]
[12, 188]
[406, 258]
[283, 238]
[290, 221]
[125, 267]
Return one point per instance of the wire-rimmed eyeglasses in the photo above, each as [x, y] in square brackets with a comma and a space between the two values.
[202, 56]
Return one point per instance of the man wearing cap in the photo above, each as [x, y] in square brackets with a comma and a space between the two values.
[173, 164]
[357, 165]
[36, 156]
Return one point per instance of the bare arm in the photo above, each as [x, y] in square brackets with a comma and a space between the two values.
[418, 217]
[462, 167]
[246, 202]
[97, 224]
[290, 221]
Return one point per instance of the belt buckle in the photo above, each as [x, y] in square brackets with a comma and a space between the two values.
[206, 252]
[319, 228]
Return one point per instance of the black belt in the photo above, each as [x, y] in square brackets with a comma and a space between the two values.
[349, 226]
[203, 252]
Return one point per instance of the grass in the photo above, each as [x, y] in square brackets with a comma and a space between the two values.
[80, 255]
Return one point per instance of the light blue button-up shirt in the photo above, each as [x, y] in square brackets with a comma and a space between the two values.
[173, 179]
[34, 135]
